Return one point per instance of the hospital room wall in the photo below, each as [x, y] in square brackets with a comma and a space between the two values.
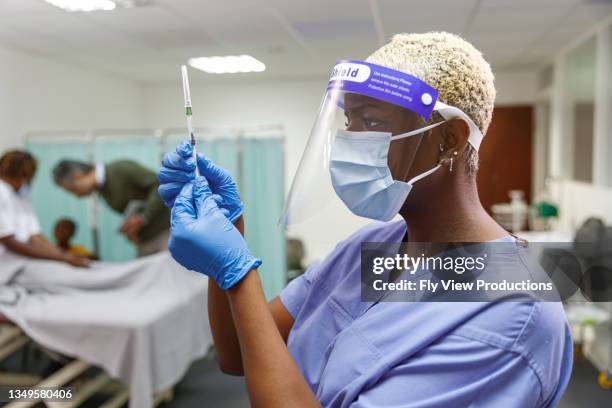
[38, 93]
[41, 94]
[575, 129]
[293, 104]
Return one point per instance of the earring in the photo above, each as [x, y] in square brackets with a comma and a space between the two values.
[451, 161]
[441, 148]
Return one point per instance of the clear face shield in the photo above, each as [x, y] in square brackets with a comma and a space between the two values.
[366, 147]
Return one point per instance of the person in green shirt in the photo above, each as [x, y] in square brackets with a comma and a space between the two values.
[129, 189]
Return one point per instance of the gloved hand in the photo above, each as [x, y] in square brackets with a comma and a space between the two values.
[204, 240]
[178, 168]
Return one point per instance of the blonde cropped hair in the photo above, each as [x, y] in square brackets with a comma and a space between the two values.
[451, 65]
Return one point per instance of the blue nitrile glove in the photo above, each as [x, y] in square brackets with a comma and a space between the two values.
[204, 240]
[178, 168]
[172, 180]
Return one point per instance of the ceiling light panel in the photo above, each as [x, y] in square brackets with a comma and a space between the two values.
[83, 5]
[229, 64]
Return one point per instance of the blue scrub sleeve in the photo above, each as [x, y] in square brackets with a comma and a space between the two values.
[295, 294]
[457, 372]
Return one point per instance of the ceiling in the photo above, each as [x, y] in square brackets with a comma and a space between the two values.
[295, 39]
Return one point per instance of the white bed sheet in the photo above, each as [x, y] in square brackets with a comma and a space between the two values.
[143, 321]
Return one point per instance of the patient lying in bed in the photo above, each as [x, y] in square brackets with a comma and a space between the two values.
[143, 321]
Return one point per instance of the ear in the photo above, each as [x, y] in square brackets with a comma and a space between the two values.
[454, 137]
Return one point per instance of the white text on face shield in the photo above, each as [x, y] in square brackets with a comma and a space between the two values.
[349, 71]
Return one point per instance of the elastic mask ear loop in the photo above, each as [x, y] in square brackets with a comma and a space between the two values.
[416, 131]
[423, 175]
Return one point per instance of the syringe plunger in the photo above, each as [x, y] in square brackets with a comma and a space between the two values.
[189, 113]
[186, 91]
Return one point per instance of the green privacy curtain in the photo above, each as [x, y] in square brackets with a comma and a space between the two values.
[143, 149]
[51, 202]
[255, 163]
[262, 189]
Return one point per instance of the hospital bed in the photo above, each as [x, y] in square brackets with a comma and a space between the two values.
[102, 383]
[143, 323]
[12, 339]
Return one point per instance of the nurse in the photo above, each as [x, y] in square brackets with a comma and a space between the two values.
[398, 133]
[19, 227]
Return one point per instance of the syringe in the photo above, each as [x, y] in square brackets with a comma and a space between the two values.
[189, 113]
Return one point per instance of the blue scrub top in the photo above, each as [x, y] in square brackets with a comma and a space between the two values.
[401, 354]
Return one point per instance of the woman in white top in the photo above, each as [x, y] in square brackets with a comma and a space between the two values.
[19, 227]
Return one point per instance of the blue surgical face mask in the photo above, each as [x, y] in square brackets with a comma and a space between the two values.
[25, 191]
[361, 176]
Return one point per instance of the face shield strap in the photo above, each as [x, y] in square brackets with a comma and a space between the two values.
[449, 112]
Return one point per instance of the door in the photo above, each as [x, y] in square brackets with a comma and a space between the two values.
[506, 155]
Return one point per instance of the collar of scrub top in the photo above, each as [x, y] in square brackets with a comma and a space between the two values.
[100, 174]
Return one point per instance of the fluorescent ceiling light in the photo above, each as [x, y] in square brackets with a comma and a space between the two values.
[229, 64]
[83, 5]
